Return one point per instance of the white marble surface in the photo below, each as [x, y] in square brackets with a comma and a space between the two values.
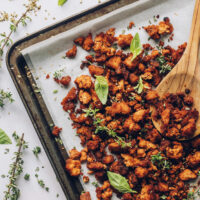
[14, 117]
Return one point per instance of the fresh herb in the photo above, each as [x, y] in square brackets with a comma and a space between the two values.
[198, 173]
[6, 150]
[55, 91]
[37, 169]
[160, 161]
[136, 46]
[5, 96]
[154, 18]
[163, 197]
[97, 121]
[139, 87]
[122, 142]
[164, 67]
[123, 32]
[27, 177]
[3, 176]
[41, 183]
[115, 46]
[61, 2]
[95, 184]
[57, 195]
[36, 151]
[90, 112]
[119, 182]
[101, 88]
[4, 139]
[92, 54]
[30, 7]
[132, 98]
[191, 196]
[59, 140]
[57, 74]
[16, 168]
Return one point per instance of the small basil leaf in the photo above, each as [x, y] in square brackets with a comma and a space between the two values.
[135, 47]
[4, 139]
[139, 87]
[119, 182]
[61, 2]
[101, 88]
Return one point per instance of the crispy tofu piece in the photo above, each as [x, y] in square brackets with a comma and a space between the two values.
[151, 95]
[118, 108]
[147, 193]
[131, 64]
[163, 187]
[96, 166]
[84, 81]
[141, 172]
[133, 78]
[73, 167]
[65, 80]
[189, 129]
[130, 125]
[115, 63]
[146, 144]
[175, 152]
[139, 115]
[72, 95]
[85, 196]
[108, 159]
[187, 175]
[95, 70]
[93, 145]
[79, 41]
[165, 116]
[124, 40]
[71, 53]
[194, 160]
[129, 161]
[88, 42]
[74, 154]
[84, 97]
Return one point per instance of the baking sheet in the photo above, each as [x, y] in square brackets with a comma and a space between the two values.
[46, 57]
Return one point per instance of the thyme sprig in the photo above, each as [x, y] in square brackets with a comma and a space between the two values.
[13, 192]
[100, 128]
[6, 41]
[160, 161]
[5, 96]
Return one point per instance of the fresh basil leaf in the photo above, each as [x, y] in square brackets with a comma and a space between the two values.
[135, 47]
[4, 139]
[139, 87]
[61, 2]
[101, 88]
[119, 182]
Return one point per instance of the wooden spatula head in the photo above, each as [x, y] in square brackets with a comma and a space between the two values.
[186, 74]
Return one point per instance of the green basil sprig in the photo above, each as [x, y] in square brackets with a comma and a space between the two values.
[101, 88]
[61, 2]
[139, 87]
[136, 46]
[4, 139]
[119, 182]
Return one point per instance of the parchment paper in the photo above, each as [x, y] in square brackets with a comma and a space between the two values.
[46, 57]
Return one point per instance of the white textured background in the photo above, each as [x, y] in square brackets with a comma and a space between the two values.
[14, 117]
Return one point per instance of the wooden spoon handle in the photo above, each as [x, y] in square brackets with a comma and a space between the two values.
[192, 50]
[188, 67]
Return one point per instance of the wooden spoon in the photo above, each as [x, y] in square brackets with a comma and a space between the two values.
[186, 73]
